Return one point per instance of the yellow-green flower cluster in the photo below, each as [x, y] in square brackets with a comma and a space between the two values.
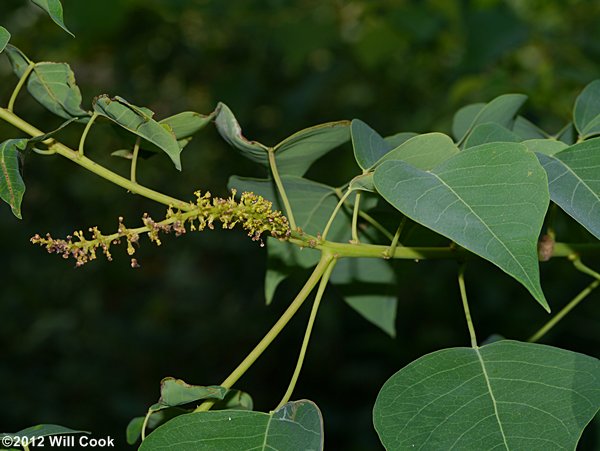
[253, 213]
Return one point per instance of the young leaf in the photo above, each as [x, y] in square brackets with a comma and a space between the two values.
[490, 199]
[586, 113]
[368, 145]
[423, 151]
[295, 154]
[139, 122]
[525, 129]
[54, 10]
[463, 119]
[574, 184]
[489, 133]
[501, 110]
[175, 392]
[230, 130]
[295, 425]
[504, 395]
[51, 84]
[4, 38]
[12, 186]
[186, 124]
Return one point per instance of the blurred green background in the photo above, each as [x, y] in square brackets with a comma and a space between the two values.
[87, 348]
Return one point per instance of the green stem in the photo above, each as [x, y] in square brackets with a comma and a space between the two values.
[91, 166]
[281, 189]
[145, 424]
[463, 296]
[355, 239]
[566, 309]
[22, 80]
[578, 264]
[276, 329]
[136, 151]
[392, 249]
[309, 327]
[334, 214]
[86, 130]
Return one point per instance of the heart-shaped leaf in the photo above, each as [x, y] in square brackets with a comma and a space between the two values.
[368, 145]
[296, 425]
[490, 133]
[490, 199]
[574, 183]
[12, 186]
[505, 395]
[55, 11]
[139, 122]
[4, 38]
[586, 113]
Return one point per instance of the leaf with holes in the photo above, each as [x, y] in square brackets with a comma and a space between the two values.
[574, 183]
[295, 425]
[55, 11]
[505, 395]
[139, 121]
[12, 186]
[490, 199]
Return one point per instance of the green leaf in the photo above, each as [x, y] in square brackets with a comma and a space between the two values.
[399, 138]
[545, 146]
[139, 122]
[235, 400]
[4, 38]
[134, 428]
[51, 84]
[54, 10]
[175, 392]
[464, 118]
[423, 151]
[43, 430]
[295, 154]
[362, 182]
[526, 129]
[186, 124]
[490, 199]
[574, 183]
[586, 113]
[505, 395]
[489, 133]
[567, 134]
[12, 186]
[368, 145]
[368, 286]
[296, 425]
[501, 110]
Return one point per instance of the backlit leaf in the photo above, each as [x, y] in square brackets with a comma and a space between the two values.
[490, 199]
[139, 121]
[54, 10]
[4, 38]
[368, 145]
[505, 395]
[586, 113]
[12, 186]
[574, 182]
[296, 425]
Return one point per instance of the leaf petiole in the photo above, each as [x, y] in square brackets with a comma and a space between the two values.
[22, 80]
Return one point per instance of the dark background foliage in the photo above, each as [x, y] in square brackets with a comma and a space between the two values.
[87, 347]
